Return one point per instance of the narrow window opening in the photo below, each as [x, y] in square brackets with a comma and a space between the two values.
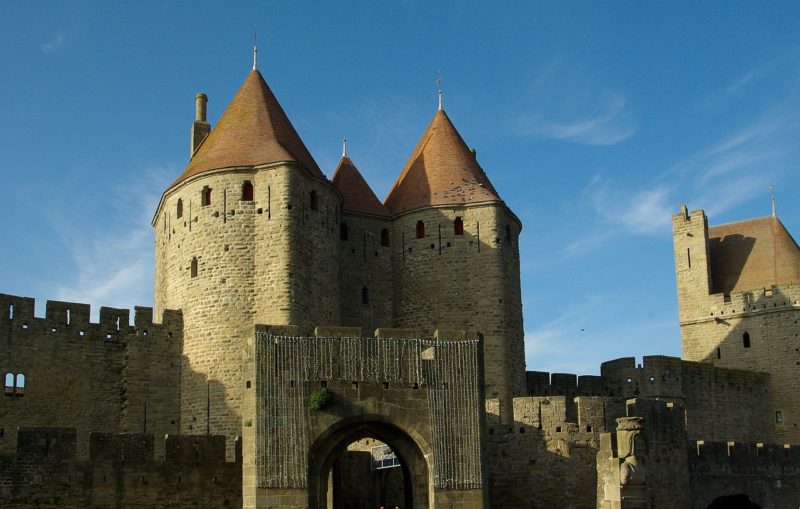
[779, 417]
[719, 353]
[689, 257]
[9, 384]
[178, 209]
[746, 340]
[194, 267]
[420, 230]
[385, 237]
[313, 201]
[68, 316]
[508, 233]
[458, 226]
[205, 196]
[247, 191]
[11, 312]
[385, 385]
[20, 387]
[343, 231]
[365, 295]
[117, 323]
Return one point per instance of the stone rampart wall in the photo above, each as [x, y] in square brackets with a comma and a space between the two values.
[769, 474]
[121, 471]
[88, 376]
[720, 403]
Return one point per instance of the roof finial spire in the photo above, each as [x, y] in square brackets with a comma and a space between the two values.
[344, 147]
[772, 192]
[255, 50]
[439, 85]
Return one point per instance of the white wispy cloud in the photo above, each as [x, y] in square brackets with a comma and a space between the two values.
[56, 42]
[645, 210]
[566, 100]
[613, 124]
[729, 171]
[111, 251]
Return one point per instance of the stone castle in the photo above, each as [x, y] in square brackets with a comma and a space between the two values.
[301, 325]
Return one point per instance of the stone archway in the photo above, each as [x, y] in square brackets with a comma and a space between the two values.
[414, 458]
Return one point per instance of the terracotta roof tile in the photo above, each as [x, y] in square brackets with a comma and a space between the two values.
[253, 130]
[442, 170]
[753, 254]
[357, 195]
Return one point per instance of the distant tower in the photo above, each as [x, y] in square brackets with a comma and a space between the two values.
[365, 251]
[247, 234]
[739, 303]
[456, 255]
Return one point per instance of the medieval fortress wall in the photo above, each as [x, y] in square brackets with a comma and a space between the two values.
[111, 376]
[412, 320]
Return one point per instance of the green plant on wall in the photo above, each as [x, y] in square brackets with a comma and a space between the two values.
[319, 399]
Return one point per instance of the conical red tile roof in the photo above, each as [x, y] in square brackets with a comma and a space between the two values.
[357, 195]
[442, 170]
[253, 130]
[753, 254]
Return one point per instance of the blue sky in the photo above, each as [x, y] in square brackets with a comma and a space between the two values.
[594, 121]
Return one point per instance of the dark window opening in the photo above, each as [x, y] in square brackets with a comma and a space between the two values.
[779, 417]
[458, 226]
[420, 230]
[746, 340]
[313, 201]
[719, 354]
[178, 209]
[205, 196]
[343, 231]
[365, 295]
[508, 233]
[385, 237]
[247, 191]
[194, 267]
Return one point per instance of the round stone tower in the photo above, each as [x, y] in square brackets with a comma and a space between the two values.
[247, 234]
[456, 255]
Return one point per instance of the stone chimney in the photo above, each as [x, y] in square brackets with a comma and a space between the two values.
[200, 128]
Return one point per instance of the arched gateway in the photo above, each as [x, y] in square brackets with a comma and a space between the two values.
[316, 410]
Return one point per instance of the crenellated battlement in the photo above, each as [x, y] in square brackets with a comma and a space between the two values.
[742, 457]
[751, 302]
[542, 383]
[74, 318]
